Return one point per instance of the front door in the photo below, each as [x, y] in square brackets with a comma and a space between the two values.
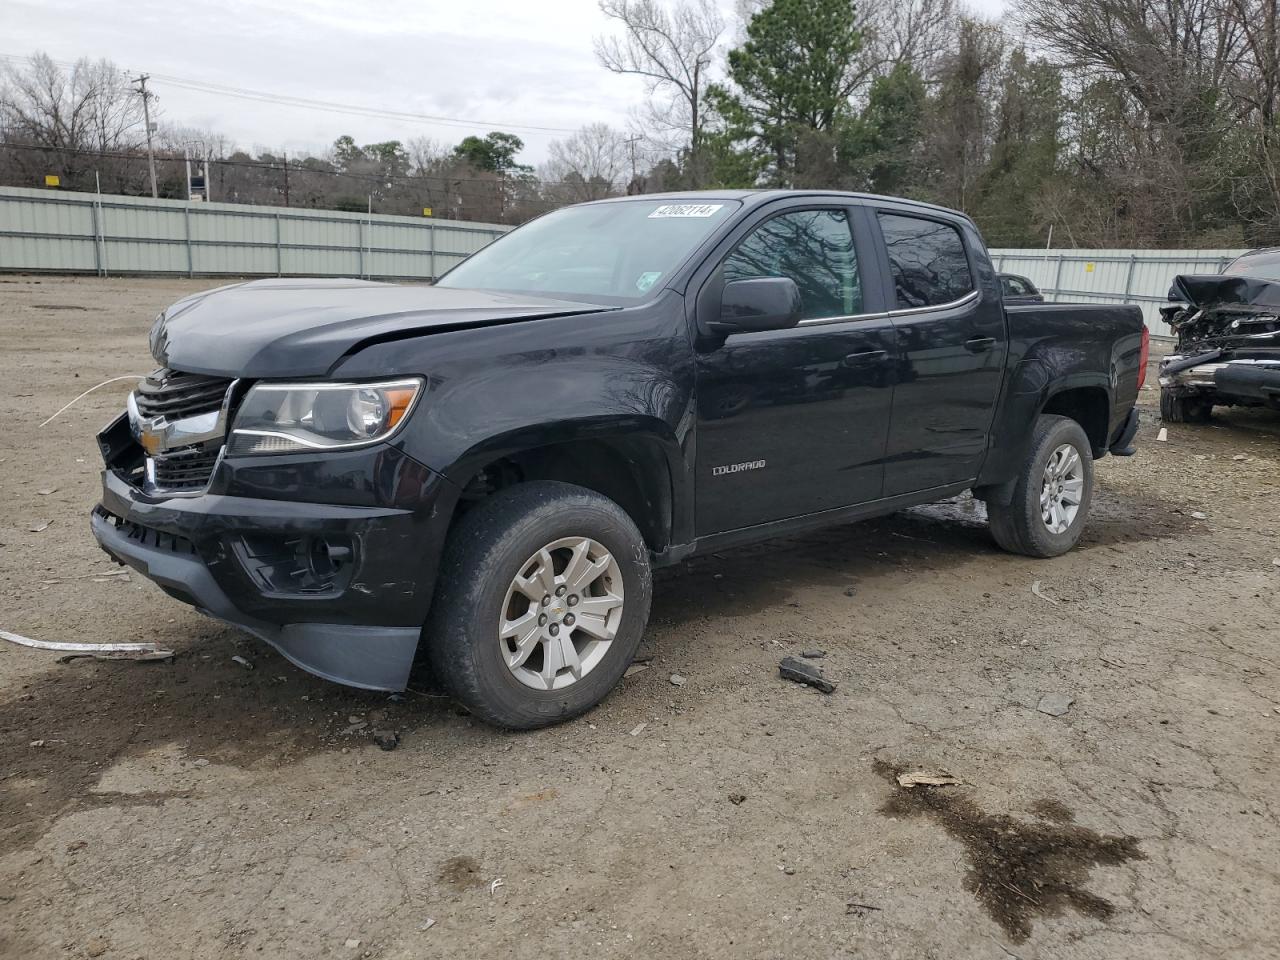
[952, 342]
[794, 421]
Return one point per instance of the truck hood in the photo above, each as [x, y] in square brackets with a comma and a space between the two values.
[1223, 312]
[302, 328]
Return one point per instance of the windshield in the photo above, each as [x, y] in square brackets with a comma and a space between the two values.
[614, 251]
[1260, 266]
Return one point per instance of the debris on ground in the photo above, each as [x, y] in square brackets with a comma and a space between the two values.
[352, 944]
[1197, 515]
[923, 779]
[99, 651]
[48, 490]
[857, 909]
[386, 739]
[677, 680]
[247, 664]
[635, 731]
[39, 526]
[813, 654]
[1163, 435]
[497, 882]
[793, 668]
[737, 798]
[140, 656]
[849, 591]
[634, 669]
[1035, 588]
[427, 924]
[1055, 704]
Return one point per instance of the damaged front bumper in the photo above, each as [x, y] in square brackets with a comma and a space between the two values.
[1246, 381]
[341, 590]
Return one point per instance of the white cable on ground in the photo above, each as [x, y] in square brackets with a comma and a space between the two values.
[90, 390]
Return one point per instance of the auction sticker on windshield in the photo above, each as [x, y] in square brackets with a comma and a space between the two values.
[668, 210]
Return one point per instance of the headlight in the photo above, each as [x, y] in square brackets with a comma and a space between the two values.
[291, 417]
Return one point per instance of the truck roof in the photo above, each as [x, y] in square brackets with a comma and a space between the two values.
[752, 198]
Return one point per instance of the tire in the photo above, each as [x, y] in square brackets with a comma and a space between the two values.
[1021, 526]
[503, 538]
[1175, 408]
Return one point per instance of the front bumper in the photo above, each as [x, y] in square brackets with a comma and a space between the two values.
[1247, 380]
[341, 590]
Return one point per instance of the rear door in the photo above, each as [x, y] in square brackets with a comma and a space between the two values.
[794, 421]
[951, 336]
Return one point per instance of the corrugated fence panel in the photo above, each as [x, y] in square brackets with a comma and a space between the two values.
[57, 231]
[1142, 277]
[47, 230]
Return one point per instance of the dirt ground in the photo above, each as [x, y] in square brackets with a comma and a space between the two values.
[198, 808]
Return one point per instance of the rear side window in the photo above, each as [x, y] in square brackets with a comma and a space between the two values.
[927, 260]
[812, 247]
[1015, 287]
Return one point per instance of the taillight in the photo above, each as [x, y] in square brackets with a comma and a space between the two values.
[1143, 356]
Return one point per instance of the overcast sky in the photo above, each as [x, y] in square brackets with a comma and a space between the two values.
[498, 64]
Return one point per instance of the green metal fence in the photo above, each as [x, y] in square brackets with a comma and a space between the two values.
[63, 232]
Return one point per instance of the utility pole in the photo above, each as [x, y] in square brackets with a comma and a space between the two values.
[141, 81]
[286, 178]
[631, 143]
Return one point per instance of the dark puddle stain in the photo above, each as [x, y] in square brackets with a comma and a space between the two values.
[461, 873]
[1018, 871]
[1055, 811]
[62, 729]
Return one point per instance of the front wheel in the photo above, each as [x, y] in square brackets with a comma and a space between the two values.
[1052, 495]
[542, 600]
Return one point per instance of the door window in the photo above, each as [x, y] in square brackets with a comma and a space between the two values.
[812, 247]
[1015, 287]
[927, 260]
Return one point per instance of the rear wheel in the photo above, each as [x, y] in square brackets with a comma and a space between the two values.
[542, 601]
[1052, 495]
[1177, 408]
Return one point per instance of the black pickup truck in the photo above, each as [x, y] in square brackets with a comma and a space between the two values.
[489, 468]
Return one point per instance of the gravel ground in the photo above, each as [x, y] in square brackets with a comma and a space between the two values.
[198, 808]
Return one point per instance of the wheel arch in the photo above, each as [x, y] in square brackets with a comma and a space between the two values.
[634, 461]
[1088, 405]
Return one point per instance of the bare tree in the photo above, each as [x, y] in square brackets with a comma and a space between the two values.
[70, 115]
[589, 165]
[671, 49]
[919, 33]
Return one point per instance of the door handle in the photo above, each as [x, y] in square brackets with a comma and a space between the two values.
[864, 356]
[980, 344]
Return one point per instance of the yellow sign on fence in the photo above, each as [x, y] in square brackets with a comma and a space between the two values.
[52, 180]
[426, 211]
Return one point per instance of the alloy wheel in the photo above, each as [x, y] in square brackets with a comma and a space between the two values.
[561, 613]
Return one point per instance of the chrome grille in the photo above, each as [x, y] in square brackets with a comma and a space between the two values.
[179, 419]
[186, 469]
[175, 395]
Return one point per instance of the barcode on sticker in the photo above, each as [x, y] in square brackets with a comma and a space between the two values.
[686, 210]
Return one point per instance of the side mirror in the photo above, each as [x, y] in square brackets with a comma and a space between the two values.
[761, 303]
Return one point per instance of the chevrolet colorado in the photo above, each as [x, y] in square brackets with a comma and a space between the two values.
[489, 468]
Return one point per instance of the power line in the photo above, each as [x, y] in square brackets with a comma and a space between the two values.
[326, 106]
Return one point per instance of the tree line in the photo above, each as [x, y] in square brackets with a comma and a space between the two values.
[1111, 123]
